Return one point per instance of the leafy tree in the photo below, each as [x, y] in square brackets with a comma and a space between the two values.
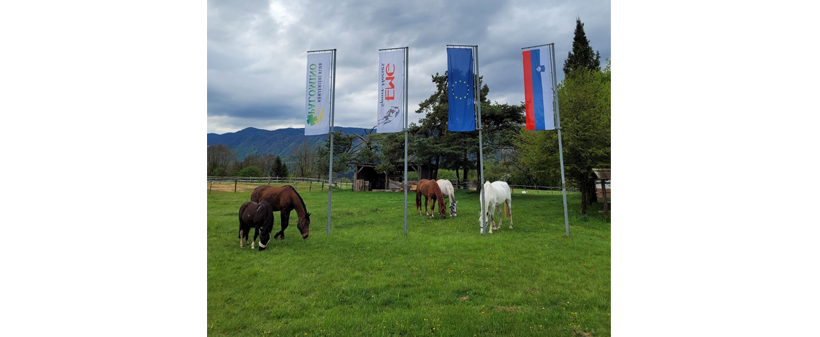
[219, 171]
[582, 56]
[263, 161]
[250, 171]
[220, 157]
[344, 149]
[305, 157]
[537, 157]
[584, 102]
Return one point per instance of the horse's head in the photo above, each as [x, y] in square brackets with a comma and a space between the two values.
[304, 226]
[481, 220]
[453, 208]
[264, 238]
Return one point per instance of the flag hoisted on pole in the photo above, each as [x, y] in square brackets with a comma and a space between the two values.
[541, 95]
[320, 102]
[462, 84]
[538, 89]
[460, 88]
[392, 107]
[317, 92]
[391, 91]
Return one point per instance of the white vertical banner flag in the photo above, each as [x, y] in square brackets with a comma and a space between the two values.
[391, 92]
[317, 98]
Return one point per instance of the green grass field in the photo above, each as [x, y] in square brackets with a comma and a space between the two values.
[368, 279]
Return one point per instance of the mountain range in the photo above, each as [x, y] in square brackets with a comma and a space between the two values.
[278, 142]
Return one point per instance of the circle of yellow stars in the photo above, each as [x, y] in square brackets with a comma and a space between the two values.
[453, 89]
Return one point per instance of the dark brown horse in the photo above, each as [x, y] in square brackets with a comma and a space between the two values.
[256, 216]
[283, 199]
[430, 190]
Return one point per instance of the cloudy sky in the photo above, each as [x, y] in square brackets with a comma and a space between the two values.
[257, 51]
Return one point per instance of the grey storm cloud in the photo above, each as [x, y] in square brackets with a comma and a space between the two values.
[257, 51]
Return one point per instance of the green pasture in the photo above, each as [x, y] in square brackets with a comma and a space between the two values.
[368, 279]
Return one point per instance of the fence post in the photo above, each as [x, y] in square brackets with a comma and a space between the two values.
[234, 184]
[210, 187]
[311, 186]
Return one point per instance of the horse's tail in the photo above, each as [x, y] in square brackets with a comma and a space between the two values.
[440, 197]
[506, 209]
[241, 223]
[418, 197]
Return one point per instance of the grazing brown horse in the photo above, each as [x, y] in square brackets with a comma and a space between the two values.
[256, 216]
[283, 199]
[430, 190]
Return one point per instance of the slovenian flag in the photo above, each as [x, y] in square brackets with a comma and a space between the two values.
[538, 89]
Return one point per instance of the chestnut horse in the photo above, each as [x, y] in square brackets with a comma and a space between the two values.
[256, 216]
[430, 190]
[283, 199]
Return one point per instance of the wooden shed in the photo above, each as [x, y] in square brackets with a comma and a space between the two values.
[365, 177]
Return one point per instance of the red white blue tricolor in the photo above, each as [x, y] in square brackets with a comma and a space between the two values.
[538, 89]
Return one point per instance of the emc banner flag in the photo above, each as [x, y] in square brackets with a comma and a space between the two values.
[461, 115]
[391, 92]
[317, 94]
[538, 89]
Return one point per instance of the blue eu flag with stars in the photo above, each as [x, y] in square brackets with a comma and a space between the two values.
[460, 90]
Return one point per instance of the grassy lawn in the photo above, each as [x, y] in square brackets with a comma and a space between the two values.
[368, 279]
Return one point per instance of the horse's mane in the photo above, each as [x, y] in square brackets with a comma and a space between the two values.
[304, 206]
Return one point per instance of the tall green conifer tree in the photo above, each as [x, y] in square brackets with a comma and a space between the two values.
[582, 55]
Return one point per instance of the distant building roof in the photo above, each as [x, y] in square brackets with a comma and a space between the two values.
[603, 174]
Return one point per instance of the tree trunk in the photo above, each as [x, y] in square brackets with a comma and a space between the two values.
[458, 180]
[583, 201]
[592, 195]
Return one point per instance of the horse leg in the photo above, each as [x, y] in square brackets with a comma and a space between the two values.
[425, 205]
[500, 216]
[509, 210]
[284, 223]
[240, 238]
[418, 202]
[496, 222]
[255, 235]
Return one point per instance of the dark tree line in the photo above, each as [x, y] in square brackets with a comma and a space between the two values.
[222, 161]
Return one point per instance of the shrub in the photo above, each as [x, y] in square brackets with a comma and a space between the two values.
[250, 171]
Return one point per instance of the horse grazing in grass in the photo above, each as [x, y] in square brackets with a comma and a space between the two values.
[494, 195]
[283, 199]
[449, 192]
[430, 190]
[256, 216]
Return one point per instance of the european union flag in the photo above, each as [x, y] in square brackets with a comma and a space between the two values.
[460, 89]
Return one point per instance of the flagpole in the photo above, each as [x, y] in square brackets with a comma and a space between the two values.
[480, 185]
[560, 146]
[330, 135]
[557, 122]
[406, 81]
[477, 91]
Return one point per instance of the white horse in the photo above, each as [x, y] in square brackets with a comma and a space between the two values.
[449, 192]
[494, 195]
